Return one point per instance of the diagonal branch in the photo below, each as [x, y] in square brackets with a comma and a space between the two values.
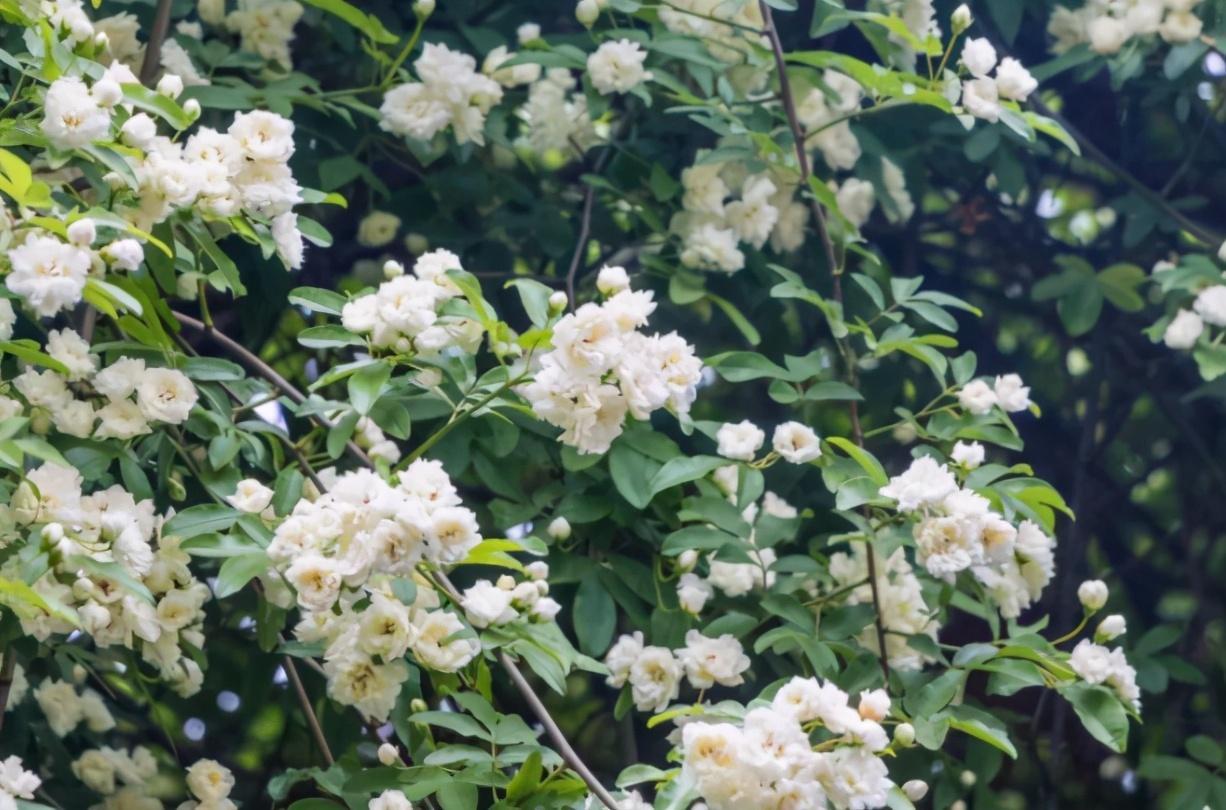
[6, 679]
[836, 272]
[153, 49]
[308, 710]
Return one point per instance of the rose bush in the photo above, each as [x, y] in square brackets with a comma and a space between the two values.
[506, 405]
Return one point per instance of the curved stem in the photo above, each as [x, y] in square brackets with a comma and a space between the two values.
[308, 710]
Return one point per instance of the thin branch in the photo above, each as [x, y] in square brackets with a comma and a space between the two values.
[836, 274]
[6, 680]
[153, 49]
[585, 230]
[308, 710]
[521, 684]
[253, 362]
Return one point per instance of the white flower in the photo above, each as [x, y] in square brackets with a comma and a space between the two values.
[982, 99]
[968, 456]
[709, 661]
[124, 254]
[139, 131]
[693, 592]
[546, 609]
[1210, 305]
[1111, 628]
[118, 380]
[621, 656]
[797, 443]
[72, 117]
[874, 704]
[1092, 662]
[612, 280]
[617, 66]
[739, 441]
[72, 350]
[711, 247]
[388, 755]
[431, 646]
[1011, 395]
[486, 604]
[925, 483]
[977, 397]
[288, 239]
[979, 57]
[82, 232]
[753, 217]
[1013, 81]
[209, 780]
[1093, 594]
[655, 678]
[165, 395]
[1181, 333]
[528, 32]
[1180, 26]
[854, 778]
[48, 274]
[250, 496]
[355, 680]
[915, 789]
[856, 199]
[317, 580]
[16, 781]
[1107, 34]
[263, 136]
[390, 800]
[170, 85]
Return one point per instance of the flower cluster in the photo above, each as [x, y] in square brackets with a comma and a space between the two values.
[403, 315]
[602, 367]
[341, 553]
[981, 94]
[110, 771]
[1097, 664]
[64, 708]
[242, 170]
[1107, 25]
[491, 604]
[49, 273]
[129, 395]
[264, 27]
[957, 531]
[1007, 393]
[450, 92]
[723, 27]
[768, 759]
[99, 544]
[617, 66]
[711, 227]
[792, 441]
[654, 673]
[555, 116]
[1186, 327]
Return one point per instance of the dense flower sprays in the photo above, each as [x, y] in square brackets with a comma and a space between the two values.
[602, 367]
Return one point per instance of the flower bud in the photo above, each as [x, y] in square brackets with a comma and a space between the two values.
[423, 8]
[392, 269]
[53, 533]
[82, 232]
[687, 560]
[904, 735]
[170, 85]
[558, 301]
[506, 582]
[559, 528]
[106, 92]
[916, 789]
[192, 108]
[418, 705]
[968, 778]
[388, 755]
[961, 19]
[416, 244]
[101, 40]
[178, 492]
[1092, 594]
[1111, 628]
[538, 570]
[429, 378]
[587, 12]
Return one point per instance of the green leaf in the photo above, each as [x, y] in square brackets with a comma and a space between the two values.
[682, 470]
[368, 24]
[982, 726]
[150, 101]
[936, 694]
[1101, 713]
[328, 337]
[237, 571]
[865, 459]
[1119, 284]
[700, 538]
[595, 616]
[114, 571]
[632, 473]
[738, 320]
[366, 385]
[202, 519]
[535, 297]
[315, 299]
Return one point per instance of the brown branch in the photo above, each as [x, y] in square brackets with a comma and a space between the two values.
[521, 684]
[308, 710]
[836, 274]
[254, 363]
[153, 49]
[585, 230]
[6, 680]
